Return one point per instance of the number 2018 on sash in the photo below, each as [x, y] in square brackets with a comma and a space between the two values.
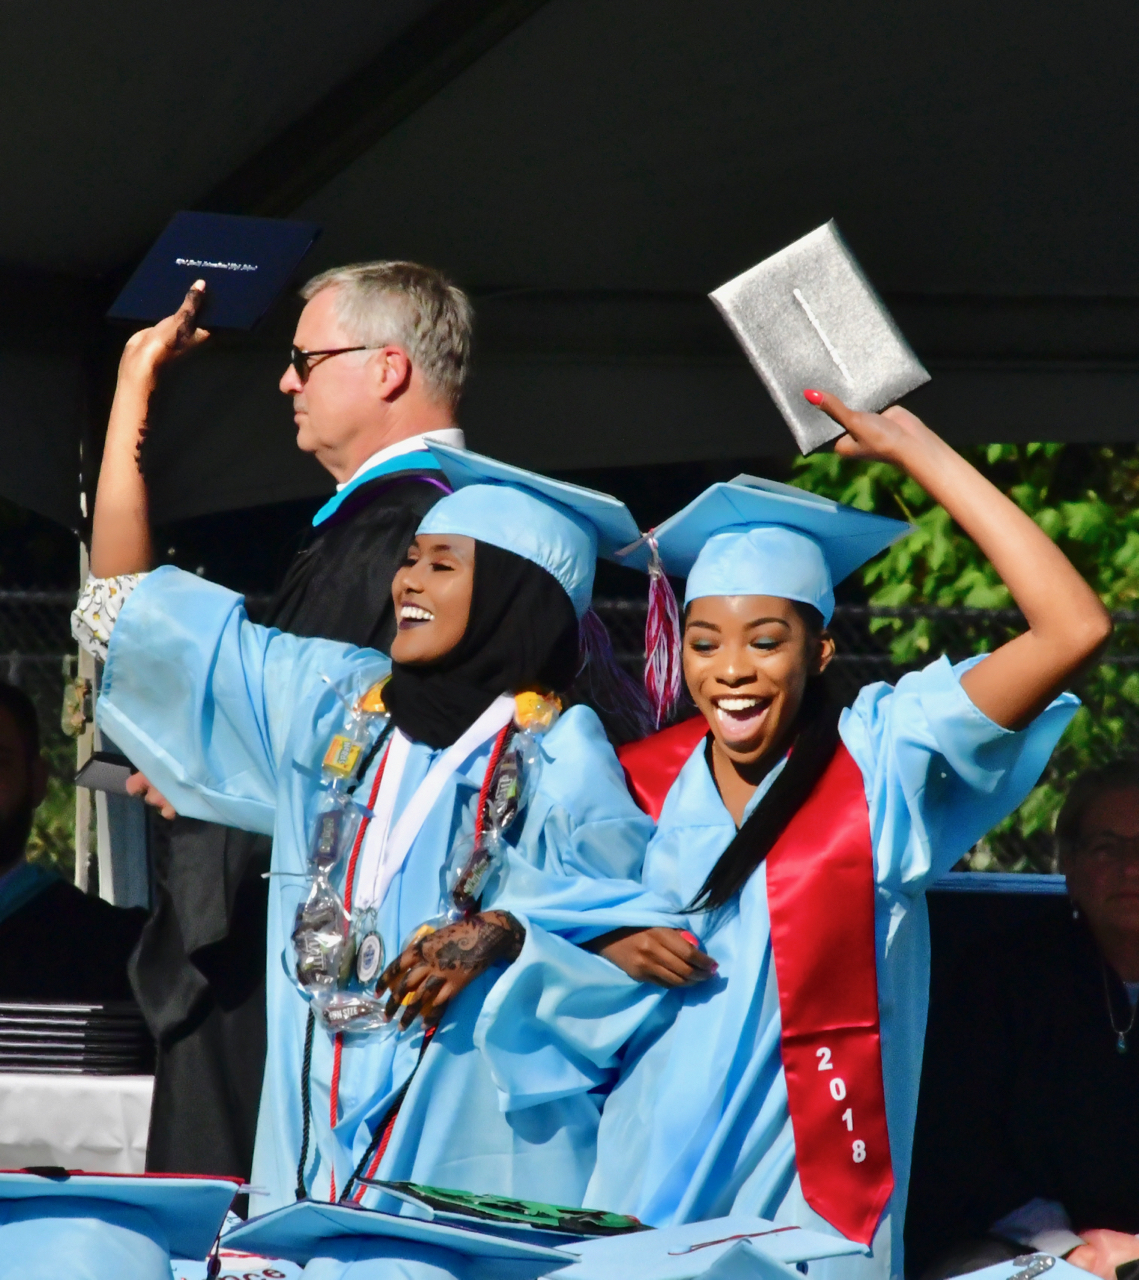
[838, 1093]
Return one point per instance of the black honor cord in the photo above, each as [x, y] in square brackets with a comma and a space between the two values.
[366, 763]
[382, 1128]
[306, 1105]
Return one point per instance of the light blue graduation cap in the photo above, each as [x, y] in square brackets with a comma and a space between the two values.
[312, 1228]
[1030, 1266]
[754, 537]
[733, 1248]
[560, 527]
[105, 1226]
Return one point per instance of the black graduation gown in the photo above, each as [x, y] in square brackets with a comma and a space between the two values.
[1025, 1095]
[199, 970]
[64, 947]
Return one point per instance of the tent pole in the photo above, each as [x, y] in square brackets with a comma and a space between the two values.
[84, 745]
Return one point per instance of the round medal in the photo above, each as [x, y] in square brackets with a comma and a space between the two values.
[369, 957]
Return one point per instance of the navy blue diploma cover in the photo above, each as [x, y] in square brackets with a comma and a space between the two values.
[245, 262]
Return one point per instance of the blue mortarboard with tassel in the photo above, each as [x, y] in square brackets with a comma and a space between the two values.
[560, 527]
[749, 537]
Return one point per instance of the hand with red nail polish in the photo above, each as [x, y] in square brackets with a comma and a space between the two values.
[1067, 623]
[666, 957]
[882, 437]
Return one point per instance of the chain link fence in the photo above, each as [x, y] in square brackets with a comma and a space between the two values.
[36, 652]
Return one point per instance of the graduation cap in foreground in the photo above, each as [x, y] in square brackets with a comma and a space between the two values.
[245, 262]
[727, 1248]
[1030, 1266]
[808, 317]
[746, 1246]
[755, 537]
[560, 527]
[107, 1225]
[306, 1229]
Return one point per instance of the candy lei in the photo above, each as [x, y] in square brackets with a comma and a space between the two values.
[324, 940]
[515, 759]
[339, 951]
[480, 828]
[480, 815]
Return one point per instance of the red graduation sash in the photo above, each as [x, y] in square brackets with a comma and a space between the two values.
[652, 764]
[820, 870]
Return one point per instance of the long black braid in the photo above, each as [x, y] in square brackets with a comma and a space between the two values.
[816, 740]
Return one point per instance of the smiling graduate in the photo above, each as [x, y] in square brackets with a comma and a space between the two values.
[371, 791]
[796, 839]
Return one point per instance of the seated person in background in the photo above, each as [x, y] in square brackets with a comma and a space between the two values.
[1029, 1125]
[57, 943]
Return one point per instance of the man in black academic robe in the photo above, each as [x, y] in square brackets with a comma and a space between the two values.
[379, 359]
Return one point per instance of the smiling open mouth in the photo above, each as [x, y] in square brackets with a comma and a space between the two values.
[740, 717]
[413, 615]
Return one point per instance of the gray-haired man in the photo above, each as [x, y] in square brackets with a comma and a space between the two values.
[380, 355]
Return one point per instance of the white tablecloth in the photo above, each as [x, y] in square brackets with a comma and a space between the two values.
[94, 1123]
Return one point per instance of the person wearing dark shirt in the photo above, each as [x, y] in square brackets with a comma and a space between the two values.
[380, 354]
[1029, 1117]
[57, 944]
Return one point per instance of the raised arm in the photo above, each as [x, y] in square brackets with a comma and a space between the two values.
[120, 527]
[1067, 623]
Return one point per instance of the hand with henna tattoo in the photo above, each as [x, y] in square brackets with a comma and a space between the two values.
[436, 967]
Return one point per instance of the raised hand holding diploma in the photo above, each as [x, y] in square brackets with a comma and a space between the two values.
[808, 317]
[1104, 1251]
[1067, 623]
[120, 528]
[148, 349]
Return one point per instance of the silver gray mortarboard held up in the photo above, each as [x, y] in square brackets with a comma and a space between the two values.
[808, 317]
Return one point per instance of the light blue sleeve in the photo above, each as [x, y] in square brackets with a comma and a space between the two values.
[555, 1021]
[576, 868]
[939, 773]
[203, 701]
[581, 820]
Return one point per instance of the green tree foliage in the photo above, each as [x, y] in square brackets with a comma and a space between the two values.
[1086, 498]
[52, 839]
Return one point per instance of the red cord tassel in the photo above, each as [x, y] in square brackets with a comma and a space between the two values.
[662, 641]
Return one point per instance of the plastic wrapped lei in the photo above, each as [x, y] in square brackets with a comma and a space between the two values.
[339, 950]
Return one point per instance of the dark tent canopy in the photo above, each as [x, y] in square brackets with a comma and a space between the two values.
[588, 170]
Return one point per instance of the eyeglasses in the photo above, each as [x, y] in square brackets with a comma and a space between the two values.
[302, 361]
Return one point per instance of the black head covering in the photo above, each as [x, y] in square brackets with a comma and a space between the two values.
[522, 633]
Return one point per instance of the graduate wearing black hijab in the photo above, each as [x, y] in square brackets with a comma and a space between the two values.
[521, 633]
[489, 603]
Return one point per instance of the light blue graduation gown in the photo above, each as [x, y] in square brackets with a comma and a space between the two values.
[231, 721]
[697, 1125]
[82, 1239]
